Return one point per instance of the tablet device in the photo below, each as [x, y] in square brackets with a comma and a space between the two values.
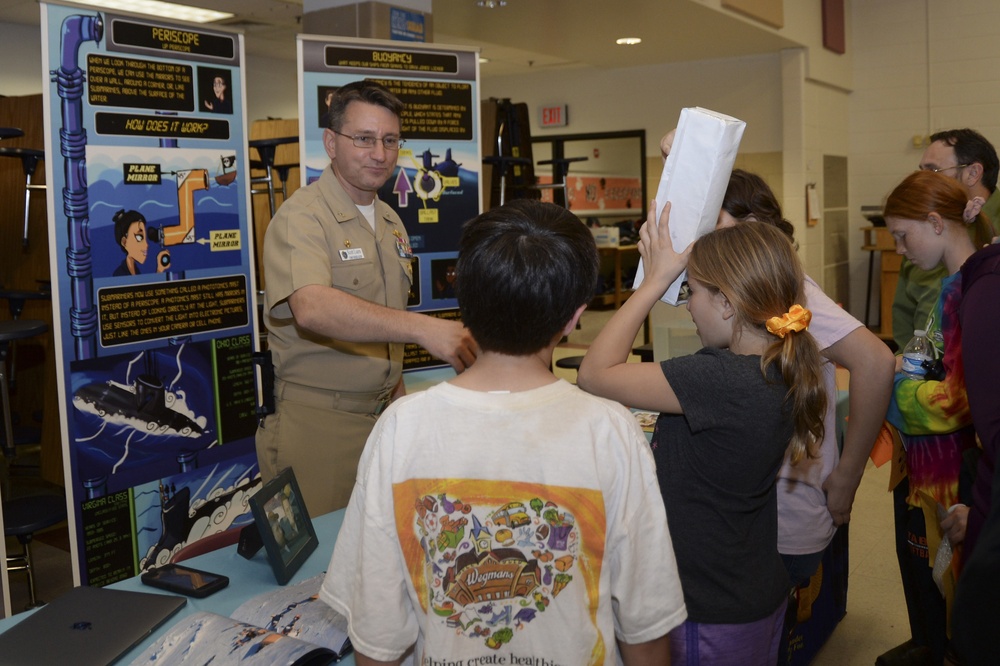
[184, 580]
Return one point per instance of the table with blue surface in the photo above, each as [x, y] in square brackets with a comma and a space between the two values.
[247, 579]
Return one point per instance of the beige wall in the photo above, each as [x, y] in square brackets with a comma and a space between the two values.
[652, 97]
[272, 89]
[804, 25]
[826, 134]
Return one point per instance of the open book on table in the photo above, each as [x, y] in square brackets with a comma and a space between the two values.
[288, 625]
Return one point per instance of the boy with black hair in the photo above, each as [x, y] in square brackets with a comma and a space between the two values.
[506, 512]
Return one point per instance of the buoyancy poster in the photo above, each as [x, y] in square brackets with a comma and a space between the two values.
[436, 185]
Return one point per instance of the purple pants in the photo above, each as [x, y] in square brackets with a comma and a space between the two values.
[702, 644]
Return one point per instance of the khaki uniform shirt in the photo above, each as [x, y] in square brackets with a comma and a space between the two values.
[320, 237]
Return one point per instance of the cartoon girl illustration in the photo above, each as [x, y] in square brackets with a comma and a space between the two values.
[130, 233]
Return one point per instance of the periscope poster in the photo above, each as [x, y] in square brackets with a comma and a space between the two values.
[152, 276]
[436, 186]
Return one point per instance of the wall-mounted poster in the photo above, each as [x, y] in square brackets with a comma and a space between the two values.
[152, 295]
[594, 194]
[435, 187]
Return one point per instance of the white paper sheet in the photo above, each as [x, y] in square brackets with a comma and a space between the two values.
[694, 180]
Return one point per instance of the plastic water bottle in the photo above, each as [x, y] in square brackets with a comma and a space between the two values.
[917, 350]
[942, 561]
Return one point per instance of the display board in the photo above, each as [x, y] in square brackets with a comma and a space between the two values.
[605, 173]
[151, 262]
[597, 195]
[436, 185]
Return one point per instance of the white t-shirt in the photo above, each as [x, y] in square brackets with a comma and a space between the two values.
[527, 526]
[368, 212]
[804, 524]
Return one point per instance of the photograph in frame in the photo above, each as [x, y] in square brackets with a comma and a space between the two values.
[284, 525]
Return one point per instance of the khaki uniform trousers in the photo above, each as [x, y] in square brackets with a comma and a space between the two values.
[321, 445]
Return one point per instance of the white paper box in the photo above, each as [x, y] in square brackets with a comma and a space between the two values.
[695, 178]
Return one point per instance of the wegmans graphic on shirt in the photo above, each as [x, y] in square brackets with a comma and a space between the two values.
[492, 559]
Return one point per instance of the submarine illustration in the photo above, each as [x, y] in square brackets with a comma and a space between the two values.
[145, 400]
[447, 167]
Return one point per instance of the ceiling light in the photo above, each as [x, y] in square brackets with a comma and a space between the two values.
[628, 41]
[157, 8]
[491, 4]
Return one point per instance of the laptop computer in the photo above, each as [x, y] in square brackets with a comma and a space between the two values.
[87, 625]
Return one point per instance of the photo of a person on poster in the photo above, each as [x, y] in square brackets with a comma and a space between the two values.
[130, 234]
[325, 100]
[444, 278]
[215, 90]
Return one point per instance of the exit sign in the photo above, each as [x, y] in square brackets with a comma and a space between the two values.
[554, 116]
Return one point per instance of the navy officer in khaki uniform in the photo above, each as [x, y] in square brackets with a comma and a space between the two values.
[338, 267]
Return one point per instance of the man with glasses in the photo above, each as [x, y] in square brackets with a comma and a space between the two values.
[338, 273]
[966, 156]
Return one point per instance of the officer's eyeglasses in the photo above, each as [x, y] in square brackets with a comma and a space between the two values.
[368, 141]
[940, 169]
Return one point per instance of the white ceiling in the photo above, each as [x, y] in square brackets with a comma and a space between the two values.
[526, 35]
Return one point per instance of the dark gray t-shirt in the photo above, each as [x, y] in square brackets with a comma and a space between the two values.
[717, 464]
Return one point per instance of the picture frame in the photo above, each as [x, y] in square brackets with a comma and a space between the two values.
[283, 524]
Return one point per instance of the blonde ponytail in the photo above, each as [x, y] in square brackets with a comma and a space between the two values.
[798, 358]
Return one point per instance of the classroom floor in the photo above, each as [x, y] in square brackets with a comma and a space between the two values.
[876, 612]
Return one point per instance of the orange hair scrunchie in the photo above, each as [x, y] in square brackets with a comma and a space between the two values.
[796, 319]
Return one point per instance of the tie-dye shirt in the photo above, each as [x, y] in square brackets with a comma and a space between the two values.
[933, 415]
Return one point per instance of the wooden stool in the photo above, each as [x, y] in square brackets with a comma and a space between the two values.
[560, 174]
[16, 298]
[644, 352]
[266, 150]
[10, 331]
[22, 517]
[30, 158]
[569, 363]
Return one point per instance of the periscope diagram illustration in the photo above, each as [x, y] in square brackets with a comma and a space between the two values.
[155, 404]
[77, 207]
